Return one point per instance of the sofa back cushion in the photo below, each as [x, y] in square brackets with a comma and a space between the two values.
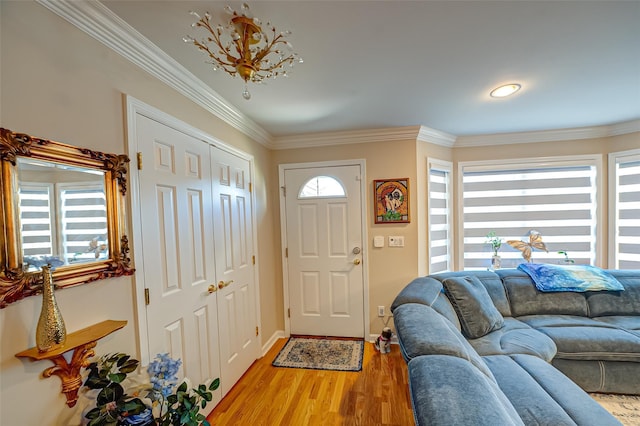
[526, 299]
[427, 291]
[477, 314]
[625, 302]
[491, 282]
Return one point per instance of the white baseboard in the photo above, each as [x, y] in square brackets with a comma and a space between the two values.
[279, 334]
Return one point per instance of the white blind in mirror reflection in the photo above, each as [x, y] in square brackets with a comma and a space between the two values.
[63, 214]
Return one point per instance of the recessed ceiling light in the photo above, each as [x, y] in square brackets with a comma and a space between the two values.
[506, 90]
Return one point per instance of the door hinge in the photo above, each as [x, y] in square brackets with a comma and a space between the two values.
[286, 252]
[284, 191]
[257, 331]
[146, 296]
[139, 158]
[253, 259]
[250, 187]
[289, 312]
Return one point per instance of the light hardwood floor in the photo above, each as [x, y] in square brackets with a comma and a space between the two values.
[267, 395]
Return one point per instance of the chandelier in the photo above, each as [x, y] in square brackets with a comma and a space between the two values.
[243, 48]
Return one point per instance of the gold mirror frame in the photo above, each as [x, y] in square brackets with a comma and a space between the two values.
[15, 283]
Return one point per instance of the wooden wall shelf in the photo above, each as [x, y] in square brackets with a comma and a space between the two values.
[82, 343]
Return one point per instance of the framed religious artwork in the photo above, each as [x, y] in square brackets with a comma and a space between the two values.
[391, 198]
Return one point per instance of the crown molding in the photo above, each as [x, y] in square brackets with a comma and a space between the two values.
[437, 137]
[624, 128]
[101, 23]
[549, 135]
[419, 133]
[310, 140]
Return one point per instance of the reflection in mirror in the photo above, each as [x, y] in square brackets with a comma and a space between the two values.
[62, 205]
[63, 214]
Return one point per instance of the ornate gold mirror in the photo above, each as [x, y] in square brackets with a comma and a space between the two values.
[61, 205]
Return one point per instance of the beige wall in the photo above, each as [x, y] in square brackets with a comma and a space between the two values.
[58, 83]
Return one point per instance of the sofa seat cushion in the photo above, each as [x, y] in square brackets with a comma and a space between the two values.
[448, 391]
[587, 339]
[542, 395]
[630, 323]
[477, 314]
[423, 331]
[515, 337]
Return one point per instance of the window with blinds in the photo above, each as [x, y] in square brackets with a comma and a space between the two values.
[83, 222]
[624, 175]
[556, 198]
[36, 227]
[440, 216]
[78, 232]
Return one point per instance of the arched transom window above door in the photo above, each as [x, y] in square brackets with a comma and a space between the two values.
[322, 187]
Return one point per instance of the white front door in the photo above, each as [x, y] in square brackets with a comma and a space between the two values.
[237, 294]
[324, 250]
[178, 250]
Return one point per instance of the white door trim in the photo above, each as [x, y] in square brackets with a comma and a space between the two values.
[135, 108]
[283, 234]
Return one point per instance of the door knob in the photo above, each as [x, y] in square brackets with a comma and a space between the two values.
[223, 284]
[212, 288]
[356, 261]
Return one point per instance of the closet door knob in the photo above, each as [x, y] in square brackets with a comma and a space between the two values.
[212, 288]
[223, 284]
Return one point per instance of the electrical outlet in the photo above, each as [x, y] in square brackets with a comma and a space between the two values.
[380, 311]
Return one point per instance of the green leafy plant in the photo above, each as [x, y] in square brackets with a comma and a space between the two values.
[112, 403]
[494, 241]
[566, 257]
[157, 403]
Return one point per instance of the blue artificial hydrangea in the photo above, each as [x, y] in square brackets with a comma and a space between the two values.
[163, 372]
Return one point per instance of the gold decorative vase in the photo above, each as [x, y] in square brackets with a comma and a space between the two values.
[51, 332]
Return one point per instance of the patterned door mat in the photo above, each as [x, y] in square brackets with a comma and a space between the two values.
[321, 354]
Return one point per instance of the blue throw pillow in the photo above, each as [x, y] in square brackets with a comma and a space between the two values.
[578, 278]
[477, 314]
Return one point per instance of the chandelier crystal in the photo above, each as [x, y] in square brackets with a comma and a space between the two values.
[242, 48]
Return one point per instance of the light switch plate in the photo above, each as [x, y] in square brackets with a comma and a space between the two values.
[378, 241]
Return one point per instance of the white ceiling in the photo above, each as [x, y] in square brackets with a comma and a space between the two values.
[379, 64]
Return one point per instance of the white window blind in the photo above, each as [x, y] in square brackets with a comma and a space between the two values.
[556, 198]
[37, 229]
[624, 172]
[83, 222]
[440, 216]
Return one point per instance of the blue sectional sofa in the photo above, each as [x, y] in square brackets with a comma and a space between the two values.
[487, 348]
